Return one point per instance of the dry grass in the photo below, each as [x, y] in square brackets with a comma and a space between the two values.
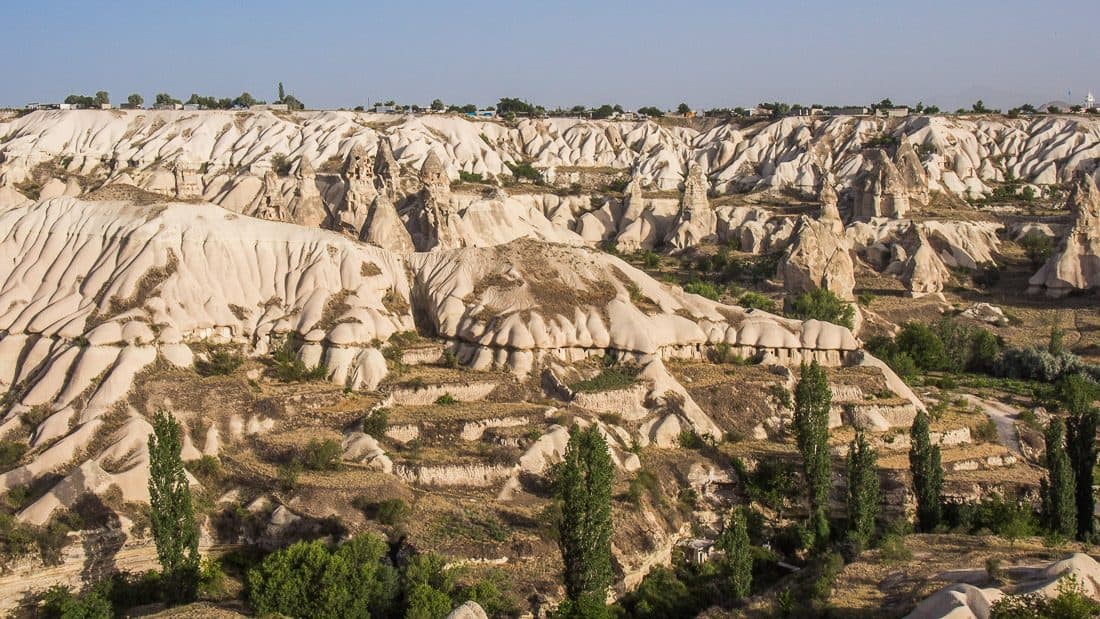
[871, 587]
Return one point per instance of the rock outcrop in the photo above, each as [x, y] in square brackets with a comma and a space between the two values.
[384, 227]
[1076, 263]
[307, 207]
[818, 257]
[696, 221]
[188, 183]
[386, 169]
[965, 601]
[883, 190]
[360, 192]
[916, 262]
[78, 319]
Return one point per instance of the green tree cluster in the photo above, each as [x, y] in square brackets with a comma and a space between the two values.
[821, 304]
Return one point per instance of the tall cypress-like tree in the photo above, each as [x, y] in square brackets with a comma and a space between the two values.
[282, 93]
[583, 485]
[1081, 445]
[1057, 490]
[173, 517]
[927, 469]
[864, 491]
[737, 561]
[811, 427]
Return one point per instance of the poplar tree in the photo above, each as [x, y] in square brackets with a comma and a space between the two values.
[864, 491]
[1057, 490]
[737, 562]
[583, 485]
[172, 514]
[927, 469]
[811, 426]
[1081, 445]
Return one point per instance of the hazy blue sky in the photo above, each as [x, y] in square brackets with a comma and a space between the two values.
[333, 53]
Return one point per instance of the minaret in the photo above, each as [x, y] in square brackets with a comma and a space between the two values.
[1090, 101]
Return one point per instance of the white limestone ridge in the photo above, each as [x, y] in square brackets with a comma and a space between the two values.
[233, 149]
[95, 292]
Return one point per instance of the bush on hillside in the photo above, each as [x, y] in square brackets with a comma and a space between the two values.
[821, 304]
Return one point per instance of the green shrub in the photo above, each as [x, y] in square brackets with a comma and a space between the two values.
[892, 549]
[322, 455]
[703, 289]
[11, 453]
[821, 304]
[211, 578]
[487, 593]
[650, 259]
[758, 301]
[427, 602]
[376, 422]
[289, 368]
[288, 474]
[689, 439]
[724, 353]
[206, 467]
[1071, 603]
[306, 579]
[280, 164]
[1037, 246]
[392, 512]
[470, 177]
[1039, 364]
[524, 171]
[59, 602]
[993, 514]
[644, 482]
[985, 432]
[219, 362]
[662, 594]
[865, 298]
[618, 377]
[446, 400]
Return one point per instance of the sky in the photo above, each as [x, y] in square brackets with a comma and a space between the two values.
[331, 53]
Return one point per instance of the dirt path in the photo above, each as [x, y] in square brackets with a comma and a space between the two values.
[1004, 417]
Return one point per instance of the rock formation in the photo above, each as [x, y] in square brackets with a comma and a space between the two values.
[879, 190]
[696, 221]
[912, 172]
[434, 218]
[384, 227]
[187, 180]
[917, 263]
[961, 600]
[818, 257]
[307, 208]
[1076, 263]
[830, 214]
[386, 170]
[360, 192]
[77, 336]
[273, 205]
